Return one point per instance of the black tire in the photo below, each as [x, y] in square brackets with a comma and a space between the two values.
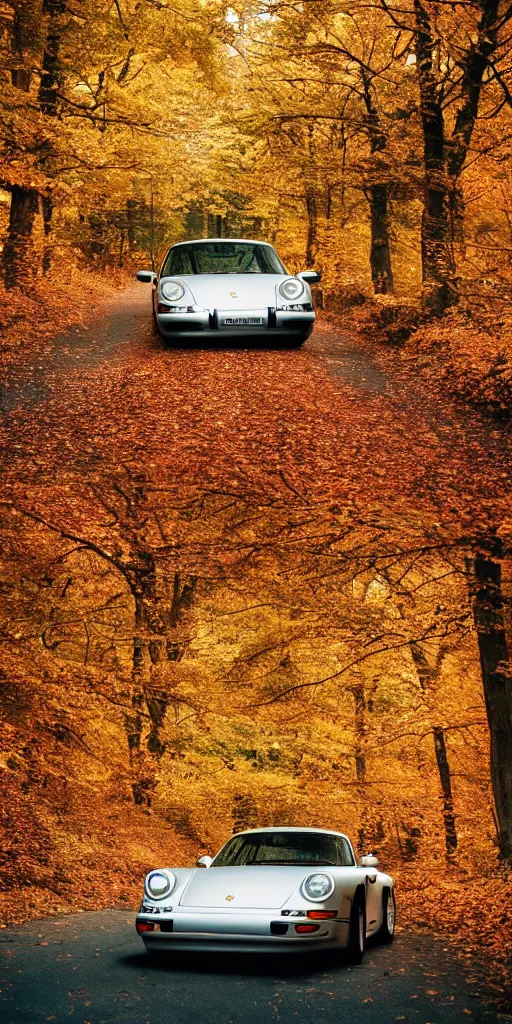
[386, 931]
[357, 930]
[154, 324]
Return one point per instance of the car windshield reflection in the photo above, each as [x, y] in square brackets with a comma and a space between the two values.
[285, 848]
[222, 258]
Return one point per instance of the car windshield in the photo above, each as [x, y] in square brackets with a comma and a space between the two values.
[222, 258]
[308, 848]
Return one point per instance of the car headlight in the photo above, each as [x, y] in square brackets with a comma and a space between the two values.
[291, 289]
[159, 884]
[317, 887]
[172, 291]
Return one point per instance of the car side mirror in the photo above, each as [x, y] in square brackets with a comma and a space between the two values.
[309, 276]
[204, 862]
[369, 861]
[146, 276]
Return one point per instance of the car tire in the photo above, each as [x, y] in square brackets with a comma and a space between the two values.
[154, 325]
[357, 930]
[386, 931]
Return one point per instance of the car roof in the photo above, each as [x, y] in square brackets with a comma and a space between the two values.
[293, 828]
[249, 241]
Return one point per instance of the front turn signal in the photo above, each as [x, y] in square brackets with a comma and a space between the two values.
[321, 915]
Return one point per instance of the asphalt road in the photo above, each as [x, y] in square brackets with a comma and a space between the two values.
[92, 969]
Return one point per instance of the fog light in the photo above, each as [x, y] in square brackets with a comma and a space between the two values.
[302, 928]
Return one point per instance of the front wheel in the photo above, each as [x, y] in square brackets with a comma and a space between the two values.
[387, 929]
[357, 932]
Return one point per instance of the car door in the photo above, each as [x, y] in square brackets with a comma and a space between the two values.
[373, 899]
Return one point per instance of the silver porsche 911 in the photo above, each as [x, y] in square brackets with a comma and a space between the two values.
[219, 288]
[270, 890]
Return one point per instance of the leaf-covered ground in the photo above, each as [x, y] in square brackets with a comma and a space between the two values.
[467, 353]
[331, 435]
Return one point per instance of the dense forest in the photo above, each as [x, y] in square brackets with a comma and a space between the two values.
[371, 141]
[332, 647]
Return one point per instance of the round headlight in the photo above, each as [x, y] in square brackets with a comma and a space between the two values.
[159, 884]
[317, 887]
[172, 291]
[291, 289]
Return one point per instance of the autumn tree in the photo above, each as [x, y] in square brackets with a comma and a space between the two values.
[138, 555]
[459, 51]
[21, 32]
[484, 568]
[91, 80]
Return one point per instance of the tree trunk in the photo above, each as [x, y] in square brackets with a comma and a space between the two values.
[450, 832]
[51, 74]
[378, 194]
[48, 103]
[131, 230]
[312, 236]
[445, 159]
[22, 32]
[156, 617]
[18, 257]
[438, 266]
[360, 759]
[457, 209]
[310, 196]
[380, 254]
[484, 571]
[47, 204]
[120, 260]
[141, 784]
[428, 676]
[360, 729]
[437, 258]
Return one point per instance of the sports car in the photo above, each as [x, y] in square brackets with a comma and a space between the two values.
[270, 890]
[219, 288]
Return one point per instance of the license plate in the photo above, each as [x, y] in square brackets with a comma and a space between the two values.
[241, 321]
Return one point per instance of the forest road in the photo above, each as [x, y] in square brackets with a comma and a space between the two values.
[128, 317]
[91, 968]
[328, 419]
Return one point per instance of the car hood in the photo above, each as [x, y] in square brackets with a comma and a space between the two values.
[250, 291]
[250, 887]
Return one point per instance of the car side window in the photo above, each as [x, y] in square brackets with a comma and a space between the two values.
[239, 850]
[345, 858]
[178, 262]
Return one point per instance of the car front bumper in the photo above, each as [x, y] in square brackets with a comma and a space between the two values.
[214, 324]
[250, 931]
